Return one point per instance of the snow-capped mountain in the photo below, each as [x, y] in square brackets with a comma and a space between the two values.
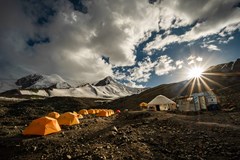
[35, 81]
[105, 81]
[54, 85]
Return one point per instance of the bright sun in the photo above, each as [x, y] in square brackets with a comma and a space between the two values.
[195, 72]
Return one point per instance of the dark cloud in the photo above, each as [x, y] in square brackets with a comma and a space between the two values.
[41, 12]
[79, 6]
[31, 42]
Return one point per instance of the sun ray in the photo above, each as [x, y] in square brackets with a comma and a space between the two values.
[221, 74]
[199, 85]
[212, 81]
[206, 86]
[192, 86]
[185, 86]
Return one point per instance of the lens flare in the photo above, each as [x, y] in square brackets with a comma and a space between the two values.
[195, 72]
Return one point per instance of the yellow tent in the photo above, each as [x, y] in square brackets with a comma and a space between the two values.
[143, 105]
[68, 118]
[103, 114]
[42, 126]
[83, 112]
[53, 115]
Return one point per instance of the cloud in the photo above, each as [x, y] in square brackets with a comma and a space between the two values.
[225, 41]
[133, 84]
[164, 65]
[160, 43]
[144, 69]
[142, 72]
[191, 62]
[191, 57]
[199, 59]
[179, 64]
[211, 47]
[206, 17]
[58, 37]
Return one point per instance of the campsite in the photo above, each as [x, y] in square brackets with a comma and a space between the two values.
[126, 135]
[119, 80]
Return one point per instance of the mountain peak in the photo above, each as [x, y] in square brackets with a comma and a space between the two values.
[29, 80]
[42, 81]
[105, 81]
[233, 66]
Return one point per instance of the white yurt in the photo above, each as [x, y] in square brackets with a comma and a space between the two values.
[162, 103]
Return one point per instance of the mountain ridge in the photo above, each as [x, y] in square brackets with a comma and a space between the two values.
[224, 74]
[54, 85]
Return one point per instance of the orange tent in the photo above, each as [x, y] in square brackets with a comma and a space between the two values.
[111, 112]
[53, 115]
[79, 116]
[91, 111]
[68, 118]
[97, 111]
[83, 112]
[102, 114]
[42, 126]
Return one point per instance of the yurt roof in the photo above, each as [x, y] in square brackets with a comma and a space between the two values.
[160, 99]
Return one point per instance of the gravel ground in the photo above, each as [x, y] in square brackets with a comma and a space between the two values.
[129, 135]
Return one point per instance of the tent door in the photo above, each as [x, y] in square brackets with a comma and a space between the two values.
[158, 107]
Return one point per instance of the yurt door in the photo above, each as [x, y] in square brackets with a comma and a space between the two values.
[158, 107]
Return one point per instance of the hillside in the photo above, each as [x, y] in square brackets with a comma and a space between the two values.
[223, 79]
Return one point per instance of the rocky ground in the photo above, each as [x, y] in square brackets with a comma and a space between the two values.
[129, 135]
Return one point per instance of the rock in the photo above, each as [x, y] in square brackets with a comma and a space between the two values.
[69, 157]
[103, 157]
[34, 148]
[98, 157]
[146, 122]
[113, 133]
[114, 129]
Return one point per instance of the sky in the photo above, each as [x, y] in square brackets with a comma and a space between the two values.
[141, 43]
